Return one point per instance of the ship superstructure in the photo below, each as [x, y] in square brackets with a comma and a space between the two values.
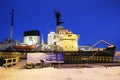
[64, 39]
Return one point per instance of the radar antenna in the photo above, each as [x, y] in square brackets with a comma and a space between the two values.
[11, 26]
[58, 15]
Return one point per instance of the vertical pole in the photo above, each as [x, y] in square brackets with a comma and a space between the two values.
[50, 65]
[11, 26]
[59, 64]
[6, 62]
[12, 61]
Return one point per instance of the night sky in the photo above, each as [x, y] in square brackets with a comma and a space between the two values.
[92, 19]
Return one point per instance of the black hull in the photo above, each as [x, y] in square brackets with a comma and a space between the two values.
[88, 57]
[105, 56]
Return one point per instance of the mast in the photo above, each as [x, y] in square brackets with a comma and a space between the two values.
[11, 26]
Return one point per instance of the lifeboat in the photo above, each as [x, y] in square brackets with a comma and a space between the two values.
[27, 47]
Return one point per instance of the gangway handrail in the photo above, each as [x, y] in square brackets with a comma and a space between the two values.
[10, 61]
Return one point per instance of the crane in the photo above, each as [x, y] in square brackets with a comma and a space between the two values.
[109, 44]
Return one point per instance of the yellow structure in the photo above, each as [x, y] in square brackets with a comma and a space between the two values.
[66, 39]
[10, 61]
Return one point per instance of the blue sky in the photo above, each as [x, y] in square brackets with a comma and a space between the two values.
[92, 19]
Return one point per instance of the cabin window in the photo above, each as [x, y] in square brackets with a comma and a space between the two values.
[54, 43]
[69, 35]
[54, 36]
[65, 46]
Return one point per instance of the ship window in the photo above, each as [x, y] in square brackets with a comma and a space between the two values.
[61, 32]
[54, 43]
[65, 46]
[54, 36]
[69, 35]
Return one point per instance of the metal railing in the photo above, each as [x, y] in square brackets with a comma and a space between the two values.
[10, 61]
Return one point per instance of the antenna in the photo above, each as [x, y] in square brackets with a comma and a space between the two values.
[58, 15]
[11, 26]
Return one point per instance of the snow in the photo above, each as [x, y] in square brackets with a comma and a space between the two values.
[50, 73]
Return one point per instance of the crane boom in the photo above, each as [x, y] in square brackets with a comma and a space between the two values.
[103, 42]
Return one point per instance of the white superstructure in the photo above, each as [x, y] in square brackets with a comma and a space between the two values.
[31, 40]
[31, 37]
[52, 38]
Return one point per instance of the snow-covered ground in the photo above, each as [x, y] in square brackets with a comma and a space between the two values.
[50, 73]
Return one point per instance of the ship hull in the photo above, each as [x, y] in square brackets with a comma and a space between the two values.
[76, 57]
[105, 56]
[88, 57]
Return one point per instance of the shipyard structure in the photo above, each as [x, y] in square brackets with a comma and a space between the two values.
[61, 47]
